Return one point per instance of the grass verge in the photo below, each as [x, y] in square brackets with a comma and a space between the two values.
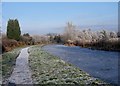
[49, 69]
[8, 62]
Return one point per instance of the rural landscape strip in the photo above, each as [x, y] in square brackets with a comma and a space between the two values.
[49, 69]
[21, 73]
[8, 63]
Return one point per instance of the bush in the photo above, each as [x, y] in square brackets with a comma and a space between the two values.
[26, 40]
[113, 45]
[8, 44]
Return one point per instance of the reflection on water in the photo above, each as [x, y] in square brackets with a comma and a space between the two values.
[100, 64]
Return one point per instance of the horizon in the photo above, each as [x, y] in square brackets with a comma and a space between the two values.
[51, 17]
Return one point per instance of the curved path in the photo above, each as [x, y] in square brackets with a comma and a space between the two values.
[21, 73]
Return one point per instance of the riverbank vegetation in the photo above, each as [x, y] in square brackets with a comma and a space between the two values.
[72, 36]
[49, 69]
[103, 40]
[10, 44]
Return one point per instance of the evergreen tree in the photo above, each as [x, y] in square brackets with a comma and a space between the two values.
[13, 29]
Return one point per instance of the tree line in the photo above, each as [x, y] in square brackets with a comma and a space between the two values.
[71, 36]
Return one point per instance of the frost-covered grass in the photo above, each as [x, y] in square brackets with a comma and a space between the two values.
[49, 69]
[8, 62]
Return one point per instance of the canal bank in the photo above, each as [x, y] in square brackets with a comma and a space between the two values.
[49, 69]
[99, 64]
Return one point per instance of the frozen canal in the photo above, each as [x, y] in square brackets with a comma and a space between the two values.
[99, 64]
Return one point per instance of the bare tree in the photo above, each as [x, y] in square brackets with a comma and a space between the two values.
[113, 35]
[70, 32]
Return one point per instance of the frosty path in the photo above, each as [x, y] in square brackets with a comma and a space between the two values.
[21, 73]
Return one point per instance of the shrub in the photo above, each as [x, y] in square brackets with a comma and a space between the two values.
[26, 39]
[8, 44]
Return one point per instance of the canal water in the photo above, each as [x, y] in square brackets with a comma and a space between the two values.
[99, 64]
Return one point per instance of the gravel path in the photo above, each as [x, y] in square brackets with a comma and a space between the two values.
[21, 73]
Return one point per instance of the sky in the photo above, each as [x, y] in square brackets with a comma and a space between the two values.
[60, 0]
[51, 17]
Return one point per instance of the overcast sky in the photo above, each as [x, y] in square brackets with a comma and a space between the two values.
[45, 17]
